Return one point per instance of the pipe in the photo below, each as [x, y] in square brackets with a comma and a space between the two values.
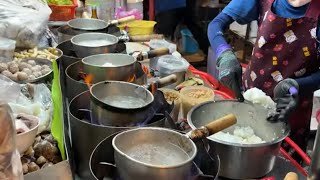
[314, 173]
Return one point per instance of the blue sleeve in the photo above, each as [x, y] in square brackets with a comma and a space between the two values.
[310, 82]
[243, 11]
[216, 28]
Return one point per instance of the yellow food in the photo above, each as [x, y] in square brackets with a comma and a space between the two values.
[49, 53]
[199, 93]
[169, 96]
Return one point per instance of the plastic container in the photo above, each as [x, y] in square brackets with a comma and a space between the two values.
[135, 4]
[105, 8]
[194, 95]
[189, 44]
[138, 27]
[7, 47]
[63, 12]
[169, 64]
[155, 44]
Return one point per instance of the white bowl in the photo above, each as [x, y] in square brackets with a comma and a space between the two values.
[26, 139]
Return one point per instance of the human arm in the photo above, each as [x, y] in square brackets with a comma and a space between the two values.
[230, 71]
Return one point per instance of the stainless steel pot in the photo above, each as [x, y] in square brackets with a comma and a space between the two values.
[95, 24]
[65, 33]
[109, 114]
[86, 135]
[131, 169]
[242, 161]
[159, 153]
[85, 44]
[117, 67]
[74, 84]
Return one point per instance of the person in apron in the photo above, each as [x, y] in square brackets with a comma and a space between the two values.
[286, 47]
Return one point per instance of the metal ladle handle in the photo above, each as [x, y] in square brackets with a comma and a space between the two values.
[123, 20]
[213, 127]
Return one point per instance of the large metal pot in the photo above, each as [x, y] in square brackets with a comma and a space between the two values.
[120, 114]
[86, 135]
[102, 164]
[242, 161]
[159, 153]
[132, 169]
[117, 67]
[86, 44]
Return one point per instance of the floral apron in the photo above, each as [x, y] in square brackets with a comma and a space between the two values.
[285, 48]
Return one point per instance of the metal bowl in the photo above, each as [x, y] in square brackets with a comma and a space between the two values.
[26, 139]
[44, 78]
[242, 161]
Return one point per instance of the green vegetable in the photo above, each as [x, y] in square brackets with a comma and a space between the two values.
[60, 2]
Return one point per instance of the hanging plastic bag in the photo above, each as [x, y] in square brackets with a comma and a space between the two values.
[24, 21]
[30, 99]
[7, 47]
[10, 164]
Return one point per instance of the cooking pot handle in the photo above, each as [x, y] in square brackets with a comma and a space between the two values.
[153, 53]
[213, 127]
[166, 81]
[123, 20]
[145, 38]
[157, 52]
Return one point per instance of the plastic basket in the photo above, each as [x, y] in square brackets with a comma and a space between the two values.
[63, 12]
[138, 27]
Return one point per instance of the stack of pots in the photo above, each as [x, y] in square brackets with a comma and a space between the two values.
[86, 132]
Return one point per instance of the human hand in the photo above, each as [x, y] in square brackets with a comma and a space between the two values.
[230, 72]
[287, 98]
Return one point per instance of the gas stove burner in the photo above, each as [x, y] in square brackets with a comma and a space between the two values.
[205, 167]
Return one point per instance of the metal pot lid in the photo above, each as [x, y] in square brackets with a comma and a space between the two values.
[87, 24]
[247, 114]
[109, 60]
[94, 40]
